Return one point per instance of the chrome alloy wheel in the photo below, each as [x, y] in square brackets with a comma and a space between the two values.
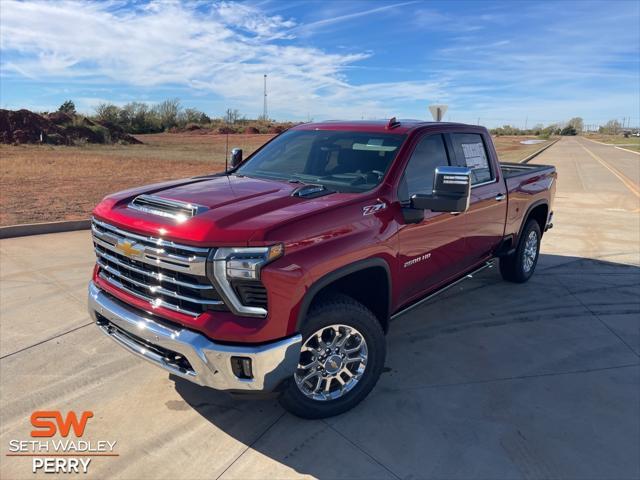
[530, 251]
[332, 361]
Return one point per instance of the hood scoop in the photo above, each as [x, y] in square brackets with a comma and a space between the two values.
[163, 207]
[311, 191]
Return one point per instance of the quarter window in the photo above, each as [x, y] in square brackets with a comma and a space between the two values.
[471, 153]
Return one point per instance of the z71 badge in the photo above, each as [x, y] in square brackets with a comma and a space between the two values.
[371, 209]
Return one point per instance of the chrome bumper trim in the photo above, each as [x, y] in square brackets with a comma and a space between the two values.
[211, 362]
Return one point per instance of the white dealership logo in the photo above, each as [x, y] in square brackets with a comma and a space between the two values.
[60, 455]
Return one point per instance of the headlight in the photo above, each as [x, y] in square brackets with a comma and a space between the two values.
[245, 263]
[238, 264]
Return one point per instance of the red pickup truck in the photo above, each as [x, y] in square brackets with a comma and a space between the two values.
[281, 274]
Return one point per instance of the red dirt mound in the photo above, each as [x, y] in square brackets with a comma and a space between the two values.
[57, 128]
[24, 126]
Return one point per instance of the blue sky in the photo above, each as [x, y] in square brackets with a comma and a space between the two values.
[497, 61]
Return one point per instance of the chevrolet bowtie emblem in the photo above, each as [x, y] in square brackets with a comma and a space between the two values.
[129, 249]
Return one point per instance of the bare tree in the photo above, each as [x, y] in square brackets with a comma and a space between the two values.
[232, 115]
[107, 112]
[612, 127]
[577, 123]
[168, 112]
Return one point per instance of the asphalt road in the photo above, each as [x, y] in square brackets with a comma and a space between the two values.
[490, 380]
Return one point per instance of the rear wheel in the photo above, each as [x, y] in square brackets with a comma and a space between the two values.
[341, 359]
[519, 266]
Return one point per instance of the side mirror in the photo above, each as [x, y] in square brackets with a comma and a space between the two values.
[451, 191]
[236, 157]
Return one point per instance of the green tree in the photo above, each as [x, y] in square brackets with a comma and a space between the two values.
[68, 107]
[192, 115]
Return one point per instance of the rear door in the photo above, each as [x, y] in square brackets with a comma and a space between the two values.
[485, 219]
[434, 249]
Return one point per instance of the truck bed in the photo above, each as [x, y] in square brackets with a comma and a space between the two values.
[510, 170]
[527, 185]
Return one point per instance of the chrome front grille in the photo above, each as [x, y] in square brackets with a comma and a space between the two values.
[161, 272]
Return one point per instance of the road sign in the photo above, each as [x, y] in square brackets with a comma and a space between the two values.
[438, 111]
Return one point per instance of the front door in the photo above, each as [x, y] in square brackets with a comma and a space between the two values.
[432, 250]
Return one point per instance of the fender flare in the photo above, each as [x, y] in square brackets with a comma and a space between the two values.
[341, 272]
[525, 217]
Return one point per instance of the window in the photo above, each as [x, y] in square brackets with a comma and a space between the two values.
[339, 160]
[418, 176]
[470, 152]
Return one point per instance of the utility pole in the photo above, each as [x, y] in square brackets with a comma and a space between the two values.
[264, 106]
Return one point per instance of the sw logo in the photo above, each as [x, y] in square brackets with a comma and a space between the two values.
[43, 421]
[62, 454]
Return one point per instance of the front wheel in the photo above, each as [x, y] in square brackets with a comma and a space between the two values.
[519, 266]
[342, 356]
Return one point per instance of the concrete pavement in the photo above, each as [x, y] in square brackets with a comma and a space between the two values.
[490, 380]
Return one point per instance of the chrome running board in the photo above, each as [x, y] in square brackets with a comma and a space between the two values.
[489, 264]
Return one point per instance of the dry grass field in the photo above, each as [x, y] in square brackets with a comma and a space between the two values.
[511, 150]
[45, 184]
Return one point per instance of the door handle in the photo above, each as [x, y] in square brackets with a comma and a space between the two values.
[500, 197]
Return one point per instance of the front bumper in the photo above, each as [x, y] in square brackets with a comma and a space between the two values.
[191, 355]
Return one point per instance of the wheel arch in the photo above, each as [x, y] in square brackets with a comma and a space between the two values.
[368, 281]
[538, 211]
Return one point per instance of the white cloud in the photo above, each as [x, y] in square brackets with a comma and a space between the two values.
[224, 49]
[504, 64]
[333, 19]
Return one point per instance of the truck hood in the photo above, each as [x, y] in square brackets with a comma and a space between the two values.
[239, 210]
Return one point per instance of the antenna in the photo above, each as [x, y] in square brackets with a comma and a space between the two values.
[226, 148]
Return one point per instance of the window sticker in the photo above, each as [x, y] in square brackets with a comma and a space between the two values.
[474, 155]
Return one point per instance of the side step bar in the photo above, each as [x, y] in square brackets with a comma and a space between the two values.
[489, 264]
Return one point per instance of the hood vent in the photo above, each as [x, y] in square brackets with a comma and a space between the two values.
[311, 191]
[164, 207]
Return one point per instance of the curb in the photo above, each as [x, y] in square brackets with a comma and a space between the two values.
[612, 145]
[627, 150]
[42, 228]
[538, 152]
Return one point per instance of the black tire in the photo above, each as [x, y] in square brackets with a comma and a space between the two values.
[514, 267]
[339, 309]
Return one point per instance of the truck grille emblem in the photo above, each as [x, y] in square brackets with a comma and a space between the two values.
[129, 249]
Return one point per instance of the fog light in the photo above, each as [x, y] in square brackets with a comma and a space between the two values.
[241, 367]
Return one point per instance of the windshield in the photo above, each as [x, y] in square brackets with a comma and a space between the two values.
[341, 161]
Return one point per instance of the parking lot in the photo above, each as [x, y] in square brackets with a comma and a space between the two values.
[489, 380]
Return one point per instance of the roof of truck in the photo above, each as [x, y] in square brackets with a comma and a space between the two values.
[381, 126]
